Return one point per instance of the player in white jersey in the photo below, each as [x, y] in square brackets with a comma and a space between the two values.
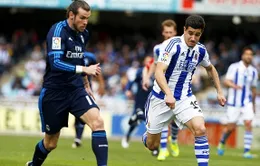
[169, 29]
[172, 96]
[241, 80]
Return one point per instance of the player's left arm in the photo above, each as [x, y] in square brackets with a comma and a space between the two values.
[213, 74]
[254, 90]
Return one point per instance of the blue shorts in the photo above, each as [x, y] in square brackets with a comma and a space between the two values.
[55, 106]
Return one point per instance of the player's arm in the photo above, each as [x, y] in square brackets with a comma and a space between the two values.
[128, 91]
[56, 44]
[101, 84]
[254, 90]
[90, 58]
[161, 81]
[228, 82]
[147, 73]
[213, 74]
[87, 86]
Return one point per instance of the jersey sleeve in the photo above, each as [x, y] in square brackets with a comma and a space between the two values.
[205, 61]
[156, 52]
[167, 50]
[56, 47]
[89, 58]
[255, 78]
[231, 72]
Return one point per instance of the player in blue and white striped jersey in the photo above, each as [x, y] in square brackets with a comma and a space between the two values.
[172, 97]
[169, 29]
[241, 80]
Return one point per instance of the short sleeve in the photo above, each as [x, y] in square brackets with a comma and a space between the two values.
[205, 61]
[230, 75]
[167, 50]
[255, 78]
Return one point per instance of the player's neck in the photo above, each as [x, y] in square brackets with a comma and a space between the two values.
[71, 25]
[246, 65]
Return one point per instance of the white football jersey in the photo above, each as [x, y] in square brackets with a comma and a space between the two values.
[182, 62]
[245, 77]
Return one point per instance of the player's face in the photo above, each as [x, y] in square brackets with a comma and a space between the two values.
[80, 20]
[247, 57]
[192, 36]
[168, 32]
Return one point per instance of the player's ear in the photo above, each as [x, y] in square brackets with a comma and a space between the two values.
[71, 15]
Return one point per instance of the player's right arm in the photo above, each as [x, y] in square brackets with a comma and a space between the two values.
[230, 76]
[147, 73]
[56, 47]
[165, 56]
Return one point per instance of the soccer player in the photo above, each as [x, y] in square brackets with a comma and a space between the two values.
[89, 59]
[172, 97]
[64, 89]
[169, 29]
[139, 101]
[241, 80]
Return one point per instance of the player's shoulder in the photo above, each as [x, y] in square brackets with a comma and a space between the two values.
[235, 65]
[253, 68]
[173, 40]
[57, 29]
[200, 47]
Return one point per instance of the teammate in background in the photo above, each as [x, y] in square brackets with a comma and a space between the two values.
[89, 59]
[169, 29]
[241, 80]
[139, 101]
[172, 97]
[64, 90]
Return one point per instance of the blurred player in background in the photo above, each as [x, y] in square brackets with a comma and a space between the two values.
[169, 29]
[172, 97]
[139, 101]
[89, 59]
[64, 91]
[241, 80]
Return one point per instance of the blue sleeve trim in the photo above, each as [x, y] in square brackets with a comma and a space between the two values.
[61, 65]
[55, 52]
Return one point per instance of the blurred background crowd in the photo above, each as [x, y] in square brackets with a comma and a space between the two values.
[120, 41]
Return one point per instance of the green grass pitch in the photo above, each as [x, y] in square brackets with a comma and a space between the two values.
[17, 150]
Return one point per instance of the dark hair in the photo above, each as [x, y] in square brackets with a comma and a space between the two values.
[195, 21]
[75, 5]
[247, 48]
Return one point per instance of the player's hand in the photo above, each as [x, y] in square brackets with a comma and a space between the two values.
[221, 99]
[237, 87]
[145, 83]
[92, 70]
[170, 101]
[128, 94]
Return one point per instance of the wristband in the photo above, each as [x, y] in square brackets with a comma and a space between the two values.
[79, 69]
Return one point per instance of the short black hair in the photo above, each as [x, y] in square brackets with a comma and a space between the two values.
[196, 22]
[75, 5]
[247, 48]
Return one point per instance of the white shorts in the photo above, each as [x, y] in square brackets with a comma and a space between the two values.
[158, 114]
[235, 113]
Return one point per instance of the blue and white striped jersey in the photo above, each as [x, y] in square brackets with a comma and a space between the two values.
[245, 77]
[65, 50]
[182, 62]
